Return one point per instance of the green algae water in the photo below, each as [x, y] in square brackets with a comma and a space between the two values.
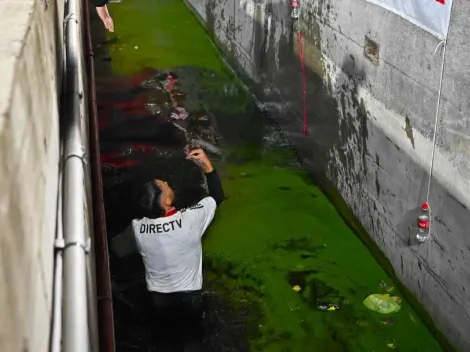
[278, 252]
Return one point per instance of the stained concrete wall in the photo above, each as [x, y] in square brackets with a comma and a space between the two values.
[371, 126]
[29, 164]
[31, 57]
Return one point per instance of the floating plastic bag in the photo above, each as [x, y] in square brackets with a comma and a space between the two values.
[384, 304]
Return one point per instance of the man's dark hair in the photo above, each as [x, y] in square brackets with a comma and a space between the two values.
[148, 201]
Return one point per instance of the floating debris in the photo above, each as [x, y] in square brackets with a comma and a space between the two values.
[384, 287]
[328, 306]
[384, 304]
[391, 344]
[387, 321]
[180, 114]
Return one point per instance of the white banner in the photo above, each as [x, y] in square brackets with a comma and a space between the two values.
[431, 15]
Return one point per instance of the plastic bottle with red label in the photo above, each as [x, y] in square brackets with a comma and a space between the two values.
[295, 4]
[424, 223]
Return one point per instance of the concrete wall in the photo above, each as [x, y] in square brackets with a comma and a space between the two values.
[31, 56]
[371, 126]
[29, 165]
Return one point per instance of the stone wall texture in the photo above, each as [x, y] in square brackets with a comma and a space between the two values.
[371, 125]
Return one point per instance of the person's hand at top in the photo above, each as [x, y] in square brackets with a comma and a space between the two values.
[200, 158]
[105, 17]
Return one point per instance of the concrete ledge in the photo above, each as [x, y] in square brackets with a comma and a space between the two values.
[30, 57]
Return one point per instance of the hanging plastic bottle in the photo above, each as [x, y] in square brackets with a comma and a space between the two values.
[424, 223]
[295, 4]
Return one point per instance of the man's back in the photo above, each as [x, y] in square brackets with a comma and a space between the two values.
[171, 247]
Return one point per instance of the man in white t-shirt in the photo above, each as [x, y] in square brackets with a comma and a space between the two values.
[169, 241]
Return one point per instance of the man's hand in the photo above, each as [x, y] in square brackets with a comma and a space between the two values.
[200, 158]
[105, 17]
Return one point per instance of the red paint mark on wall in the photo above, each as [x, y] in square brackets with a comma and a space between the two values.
[443, 2]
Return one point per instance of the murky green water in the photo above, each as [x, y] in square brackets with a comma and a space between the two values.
[276, 231]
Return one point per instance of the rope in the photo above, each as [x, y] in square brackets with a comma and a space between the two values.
[436, 119]
[304, 81]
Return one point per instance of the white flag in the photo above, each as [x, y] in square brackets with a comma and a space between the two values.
[431, 15]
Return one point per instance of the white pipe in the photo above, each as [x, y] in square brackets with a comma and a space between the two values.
[75, 314]
[57, 303]
[56, 335]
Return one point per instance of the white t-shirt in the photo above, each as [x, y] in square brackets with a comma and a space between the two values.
[170, 247]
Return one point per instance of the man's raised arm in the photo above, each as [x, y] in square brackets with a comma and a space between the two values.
[213, 180]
